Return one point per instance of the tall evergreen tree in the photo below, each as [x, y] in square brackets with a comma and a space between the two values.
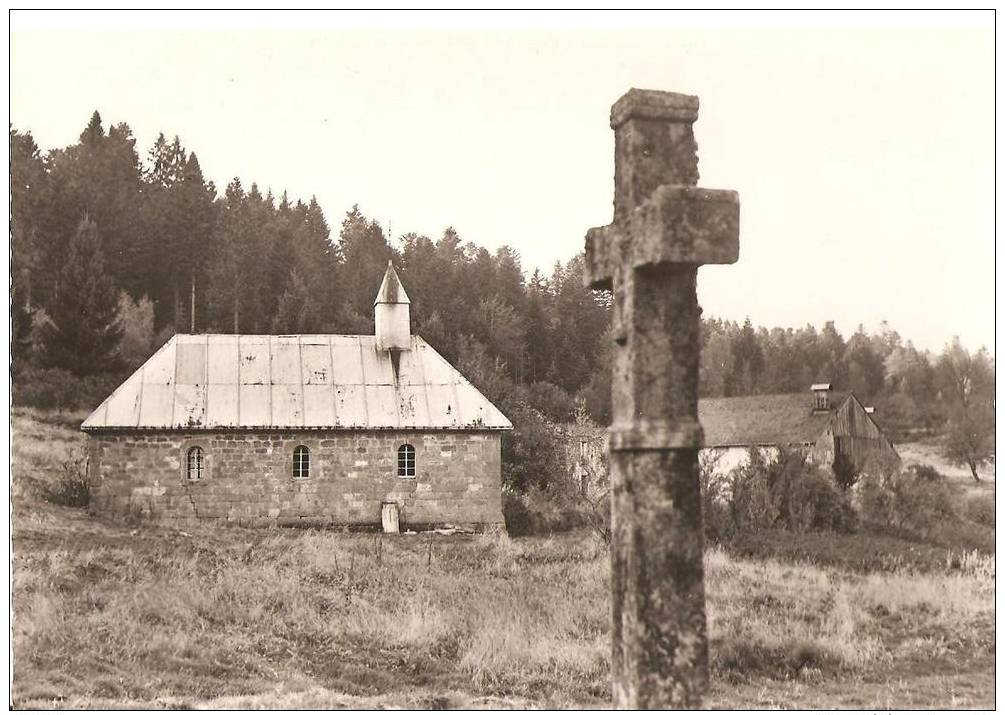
[748, 362]
[197, 217]
[539, 329]
[364, 251]
[100, 177]
[832, 347]
[27, 178]
[864, 365]
[81, 330]
[227, 280]
[298, 310]
[579, 325]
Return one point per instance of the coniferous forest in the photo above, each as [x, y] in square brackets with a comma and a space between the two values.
[115, 248]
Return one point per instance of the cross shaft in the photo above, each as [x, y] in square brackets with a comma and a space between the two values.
[664, 228]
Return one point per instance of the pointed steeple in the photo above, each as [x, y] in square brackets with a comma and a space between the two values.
[391, 290]
[392, 324]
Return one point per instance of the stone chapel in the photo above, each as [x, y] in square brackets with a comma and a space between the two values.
[301, 429]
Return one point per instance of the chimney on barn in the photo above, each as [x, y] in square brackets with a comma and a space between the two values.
[821, 397]
[392, 325]
[870, 410]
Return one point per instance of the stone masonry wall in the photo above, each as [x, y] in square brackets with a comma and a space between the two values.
[249, 477]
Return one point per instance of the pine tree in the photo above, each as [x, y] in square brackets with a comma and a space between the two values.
[173, 247]
[748, 362]
[27, 187]
[364, 252]
[540, 317]
[580, 322]
[298, 310]
[419, 271]
[81, 331]
[93, 133]
[832, 347]
[227, 280]
[197, 215]
[166, 163]
[865, 366]
[100, 177]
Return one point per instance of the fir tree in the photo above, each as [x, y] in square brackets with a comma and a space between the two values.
[298, 310]
[81, 331]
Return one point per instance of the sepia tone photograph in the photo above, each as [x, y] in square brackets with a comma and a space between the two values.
[502, 360]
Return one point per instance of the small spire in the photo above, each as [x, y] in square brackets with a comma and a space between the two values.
[391, 290]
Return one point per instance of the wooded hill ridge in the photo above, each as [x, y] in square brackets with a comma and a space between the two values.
[111, 254]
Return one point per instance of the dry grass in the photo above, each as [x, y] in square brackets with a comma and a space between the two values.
[930, 454]
[199, 619]
[109, 616]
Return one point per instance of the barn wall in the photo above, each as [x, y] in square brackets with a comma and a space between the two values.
[249, 477]
[855, 434]
[723, 460]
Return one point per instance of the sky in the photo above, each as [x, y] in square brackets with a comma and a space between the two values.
[864, 157]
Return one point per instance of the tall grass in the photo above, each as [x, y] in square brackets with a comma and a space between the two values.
[173, 617]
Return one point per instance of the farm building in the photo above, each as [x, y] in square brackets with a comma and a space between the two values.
[828, 426]
[825, 425]
[320, 429]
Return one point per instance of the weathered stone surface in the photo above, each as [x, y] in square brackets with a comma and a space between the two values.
[685, 224]
[664, 227]
[457, 477]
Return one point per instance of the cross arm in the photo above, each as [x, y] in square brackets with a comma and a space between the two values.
[677, 224]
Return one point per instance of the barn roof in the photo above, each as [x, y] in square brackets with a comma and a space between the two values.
[764, 419]
[203, 382]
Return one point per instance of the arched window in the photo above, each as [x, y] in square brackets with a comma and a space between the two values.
[406, 461]
[195, 464]
[301, 462]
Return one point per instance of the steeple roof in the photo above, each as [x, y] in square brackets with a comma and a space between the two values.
[391, 290]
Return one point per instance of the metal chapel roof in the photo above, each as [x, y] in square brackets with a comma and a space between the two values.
[203, 382]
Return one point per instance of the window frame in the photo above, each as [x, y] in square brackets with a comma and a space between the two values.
[318, 468]
[203, 463]
[404, 455]
[300, 464]
[208, 462]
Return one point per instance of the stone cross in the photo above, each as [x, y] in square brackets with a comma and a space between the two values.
[664, 228]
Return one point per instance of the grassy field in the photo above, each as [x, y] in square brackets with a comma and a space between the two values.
[926, 453]
[113, 615]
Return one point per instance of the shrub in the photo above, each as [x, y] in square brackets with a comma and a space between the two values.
[546, 510]
[981, 510]
[737, 502]
[808, 498]
[537, 511]
[875, 501]
[715, 496]
[46, 389]
[551, 400]
[516, 513]
[751, 502]
[56, 388]
[845, 471]
[71, 487]
[917, 500]
[533, 453]
[771, 491]
[925, 473]
[923, 503]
